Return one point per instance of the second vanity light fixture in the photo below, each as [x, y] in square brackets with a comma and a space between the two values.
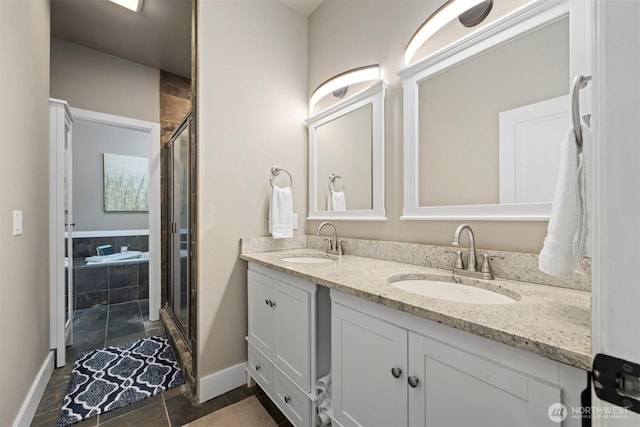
[470, 13]
[342, 80]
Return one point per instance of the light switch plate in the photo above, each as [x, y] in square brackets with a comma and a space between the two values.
[294, 220]
[17, 223]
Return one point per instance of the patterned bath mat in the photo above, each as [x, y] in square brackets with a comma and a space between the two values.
[117, 376]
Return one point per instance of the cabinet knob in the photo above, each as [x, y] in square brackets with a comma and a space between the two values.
[258, 367]
[273, 304]
[396, 372]
[413, 381]
[287, 399]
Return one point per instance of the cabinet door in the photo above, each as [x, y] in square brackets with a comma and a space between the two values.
[456, 388]
[363, 352]
[261, 324]
[292, 349]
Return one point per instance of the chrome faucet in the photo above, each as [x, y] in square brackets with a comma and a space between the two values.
[471, 269]
[471, 255]
[335, 245]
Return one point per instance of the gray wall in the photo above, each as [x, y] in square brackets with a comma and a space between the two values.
[24, 120]
[252, 79]
[90, 141]
[96, 81]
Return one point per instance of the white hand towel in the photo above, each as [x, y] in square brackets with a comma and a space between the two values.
[336, 201]
[281, 213]
[325, 412]
[324, 382]
[566, 234]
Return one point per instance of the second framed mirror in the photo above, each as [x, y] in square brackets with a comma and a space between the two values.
[346, 157]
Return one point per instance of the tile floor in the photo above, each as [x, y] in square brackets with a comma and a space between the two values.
[103, 326]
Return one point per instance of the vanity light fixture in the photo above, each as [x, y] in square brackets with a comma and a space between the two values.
[445, 14]
[133, 5]
[342, 80]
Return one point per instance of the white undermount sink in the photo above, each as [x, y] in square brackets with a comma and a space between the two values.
[451, 291]
[307, 259]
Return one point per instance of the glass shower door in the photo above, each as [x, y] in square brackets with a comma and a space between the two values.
[178, 215]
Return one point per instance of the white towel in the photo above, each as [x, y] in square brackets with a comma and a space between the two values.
[281, 213]
[336, 201]
[325, 412]
[566, 234]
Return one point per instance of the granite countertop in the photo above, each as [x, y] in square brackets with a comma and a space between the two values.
[550, 321]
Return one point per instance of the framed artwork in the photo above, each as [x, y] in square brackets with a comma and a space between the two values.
[125, 183]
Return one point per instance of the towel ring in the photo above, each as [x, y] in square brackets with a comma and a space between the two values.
[332, 182]
[275, 171]
[580, 82]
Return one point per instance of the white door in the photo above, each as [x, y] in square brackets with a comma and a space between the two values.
[292, 321]
[261, 324]
[60, 229]
[369, 364]
[456, 387]
[616, 142]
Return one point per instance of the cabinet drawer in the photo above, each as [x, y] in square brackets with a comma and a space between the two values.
[291, 400]
[260, 368]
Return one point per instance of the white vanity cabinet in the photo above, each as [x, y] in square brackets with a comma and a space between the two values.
[364, 350]
[392, 368]
[284, 355]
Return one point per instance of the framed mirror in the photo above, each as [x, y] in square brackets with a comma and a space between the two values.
[484, 118]
[346, 158]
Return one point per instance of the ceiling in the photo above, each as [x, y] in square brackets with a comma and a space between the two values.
[304, 7]
[159, 36]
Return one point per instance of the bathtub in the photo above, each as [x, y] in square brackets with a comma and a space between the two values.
[117, 258]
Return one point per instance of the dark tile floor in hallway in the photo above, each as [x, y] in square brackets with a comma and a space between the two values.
[116, 324]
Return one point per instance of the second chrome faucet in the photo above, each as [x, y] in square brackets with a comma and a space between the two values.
[471, 270]
[335, 245]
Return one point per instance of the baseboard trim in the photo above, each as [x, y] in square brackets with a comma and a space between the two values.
[221, 382]
[31, 402]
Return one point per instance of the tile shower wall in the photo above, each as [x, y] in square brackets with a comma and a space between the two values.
[86, 246]
[98, 284]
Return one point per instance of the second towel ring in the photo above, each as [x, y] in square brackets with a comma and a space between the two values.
[332, 182]
[275, 171]
[580, 82]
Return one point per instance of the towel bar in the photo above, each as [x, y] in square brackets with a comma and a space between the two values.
[275, 171]
[579, 82]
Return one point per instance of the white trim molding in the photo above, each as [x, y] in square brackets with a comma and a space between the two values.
[221, 382]
[34, 396]
[534, 14]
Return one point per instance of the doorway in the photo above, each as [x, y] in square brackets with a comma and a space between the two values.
[116, 255]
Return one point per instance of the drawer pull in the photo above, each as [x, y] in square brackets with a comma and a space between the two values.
[287, 399]
[267, 302]
[413, 381]
[396, 372]
[258, 367]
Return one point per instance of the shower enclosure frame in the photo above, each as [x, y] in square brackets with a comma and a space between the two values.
[179, 227]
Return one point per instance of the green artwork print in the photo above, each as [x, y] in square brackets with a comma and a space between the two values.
[125, 183]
